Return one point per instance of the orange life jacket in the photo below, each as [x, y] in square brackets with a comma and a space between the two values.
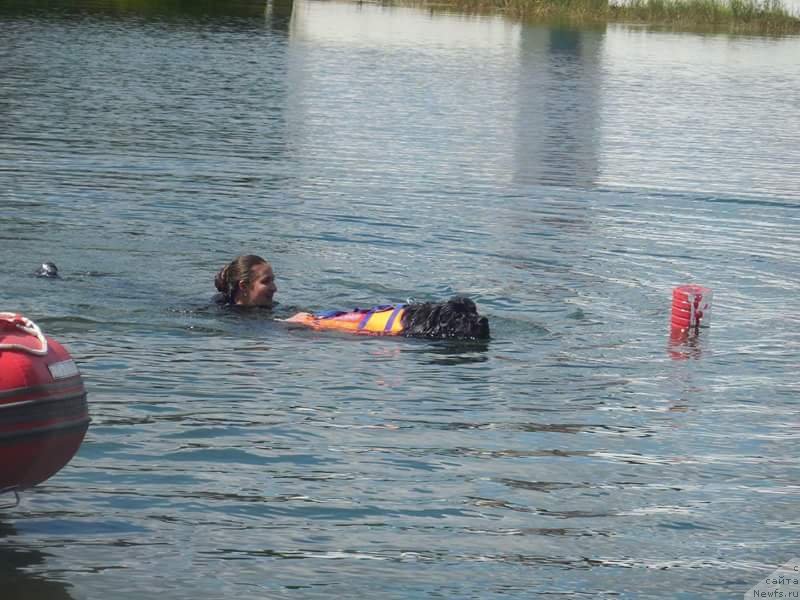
[381, 320]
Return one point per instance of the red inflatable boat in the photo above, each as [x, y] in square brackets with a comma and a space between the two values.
[43, 410]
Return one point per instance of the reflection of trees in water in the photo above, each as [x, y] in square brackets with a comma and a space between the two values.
[276, 14]
[143, 95]
[159, 8]
[16, 582]
[279, 14]
[558, 106]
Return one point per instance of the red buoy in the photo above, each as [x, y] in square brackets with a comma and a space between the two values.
[43, 411]
[691, 307]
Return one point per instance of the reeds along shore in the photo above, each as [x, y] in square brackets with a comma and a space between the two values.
[739, 16]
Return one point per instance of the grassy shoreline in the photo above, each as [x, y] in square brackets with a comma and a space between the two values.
[735, 16]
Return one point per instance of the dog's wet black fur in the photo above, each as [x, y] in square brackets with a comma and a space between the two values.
[457, 318]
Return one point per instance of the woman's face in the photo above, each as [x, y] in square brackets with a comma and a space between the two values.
[261, 288]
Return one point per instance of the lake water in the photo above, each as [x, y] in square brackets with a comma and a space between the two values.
[565, 180]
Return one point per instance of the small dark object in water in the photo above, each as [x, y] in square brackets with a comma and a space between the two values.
[48, 269]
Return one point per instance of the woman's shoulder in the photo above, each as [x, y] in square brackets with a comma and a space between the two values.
[219, 299]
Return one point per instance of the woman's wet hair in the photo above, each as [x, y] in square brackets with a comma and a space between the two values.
[230, 276]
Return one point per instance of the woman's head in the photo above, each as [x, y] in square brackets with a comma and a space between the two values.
[247, 280]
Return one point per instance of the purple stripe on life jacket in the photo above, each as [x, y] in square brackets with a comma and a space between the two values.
[375, 309]
[390, 322]
[365, 319]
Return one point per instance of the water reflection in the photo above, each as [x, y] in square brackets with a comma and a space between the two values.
[686, 344]
[675, 105]
[455, 352]
[119, 129]
[558, 106]
[161, 9]
[17, 582]
[279, 14]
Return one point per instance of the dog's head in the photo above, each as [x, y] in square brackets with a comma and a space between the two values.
[456, 318]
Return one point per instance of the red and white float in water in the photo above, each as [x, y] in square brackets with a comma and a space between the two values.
[43, 410]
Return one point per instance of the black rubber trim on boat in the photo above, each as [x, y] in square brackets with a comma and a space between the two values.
[12, 436]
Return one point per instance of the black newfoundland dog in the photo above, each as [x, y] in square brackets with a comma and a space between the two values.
[456, 318]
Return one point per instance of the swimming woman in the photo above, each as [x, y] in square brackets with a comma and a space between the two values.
[248, 280]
